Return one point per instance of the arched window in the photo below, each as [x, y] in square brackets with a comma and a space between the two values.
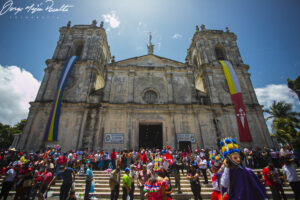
[77, 48]
[220, 54]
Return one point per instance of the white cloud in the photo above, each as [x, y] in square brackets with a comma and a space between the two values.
[280, 92]
[112, 19]
[18, 87]
[177, 36]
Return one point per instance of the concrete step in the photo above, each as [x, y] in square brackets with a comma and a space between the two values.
[102, 189]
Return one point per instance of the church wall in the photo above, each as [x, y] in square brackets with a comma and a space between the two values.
[33, 131]
[119, 88]
[69, 128]
[52, 83]
[148, 80]
[181, 89]
[185, 124]
[208, 130]
[115, 122]
[127, 87]
[77, 85]
[221, 88]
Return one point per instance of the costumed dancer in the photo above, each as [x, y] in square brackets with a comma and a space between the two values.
[241, 182]
[216, 162]
[158, 187]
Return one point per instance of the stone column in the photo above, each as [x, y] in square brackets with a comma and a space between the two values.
[131, 75]
[128, 142]
[85, 49]
[192, 86]
[101, 138]
[170, 87]
[82, 127]
[209, 83]
[107, 86]
[173, 129]
[98, 129]
[199, 130]
[135, 144]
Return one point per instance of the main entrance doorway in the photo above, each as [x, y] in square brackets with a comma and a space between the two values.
[150, 136]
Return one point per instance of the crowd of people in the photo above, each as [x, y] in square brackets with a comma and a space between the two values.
[33, 173]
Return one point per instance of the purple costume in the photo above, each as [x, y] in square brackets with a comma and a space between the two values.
[244, 185]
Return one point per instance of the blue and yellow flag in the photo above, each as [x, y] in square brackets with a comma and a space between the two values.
[53, 120]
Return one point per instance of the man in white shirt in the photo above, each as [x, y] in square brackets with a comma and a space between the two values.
[202, 153]
[290, 175]
[8, 182]
[203, 167]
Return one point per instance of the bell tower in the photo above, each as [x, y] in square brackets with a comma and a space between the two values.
[206, 49]
[89, 43]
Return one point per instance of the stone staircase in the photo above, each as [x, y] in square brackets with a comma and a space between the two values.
[102, 190]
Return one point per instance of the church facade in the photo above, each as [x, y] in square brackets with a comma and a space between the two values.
[145, 101]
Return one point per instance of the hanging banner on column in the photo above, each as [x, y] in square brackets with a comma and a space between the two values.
[236, 96]
[51, 131]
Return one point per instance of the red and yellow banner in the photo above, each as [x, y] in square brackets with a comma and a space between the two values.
[236, 96]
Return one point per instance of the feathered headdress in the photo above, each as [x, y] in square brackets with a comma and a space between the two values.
[229, 146]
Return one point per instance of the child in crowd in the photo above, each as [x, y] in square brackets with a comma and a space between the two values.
[109, 169]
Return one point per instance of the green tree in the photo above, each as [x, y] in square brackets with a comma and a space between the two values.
[6, 136]
[7, 133]
[18, 128]
[282, 110]
[295, 85]
[285, 125]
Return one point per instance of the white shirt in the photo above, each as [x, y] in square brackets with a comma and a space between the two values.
[11, 174]
[283, 152]
[202, 164]
[225, 178]
[290, 172]
[98, 157]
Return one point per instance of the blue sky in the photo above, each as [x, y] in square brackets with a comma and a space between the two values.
[267, 30]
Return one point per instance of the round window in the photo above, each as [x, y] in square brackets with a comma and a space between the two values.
[150, 97]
